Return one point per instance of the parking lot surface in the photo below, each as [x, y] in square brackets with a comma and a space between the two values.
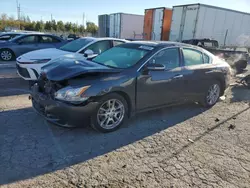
[184, 146]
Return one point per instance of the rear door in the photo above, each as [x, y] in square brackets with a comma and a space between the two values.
[189, 21]
[157, 24]
[46, 41]
[27, 44]
[199, 72]
[157, 88]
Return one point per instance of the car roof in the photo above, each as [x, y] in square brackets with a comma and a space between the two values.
[104, 38]
[165, 44]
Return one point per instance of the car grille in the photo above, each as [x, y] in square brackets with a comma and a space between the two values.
[22, 71]
[48, 87]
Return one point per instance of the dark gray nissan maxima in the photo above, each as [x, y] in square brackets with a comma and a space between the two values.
[125, 80]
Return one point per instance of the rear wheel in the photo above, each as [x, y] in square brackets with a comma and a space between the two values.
[212, 95]
[6, 55]
[111, 112]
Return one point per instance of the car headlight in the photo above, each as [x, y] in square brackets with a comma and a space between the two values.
[72, 94]
[40, 61]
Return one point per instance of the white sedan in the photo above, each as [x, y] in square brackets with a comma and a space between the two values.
[29, 65]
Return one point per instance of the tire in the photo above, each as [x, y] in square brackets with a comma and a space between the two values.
[210, 99]
[6, 55]
[240, 66]
[104, 117]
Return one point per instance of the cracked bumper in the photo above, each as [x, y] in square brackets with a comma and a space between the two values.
[60, 113]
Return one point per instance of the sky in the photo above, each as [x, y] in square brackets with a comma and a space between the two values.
[73, 10]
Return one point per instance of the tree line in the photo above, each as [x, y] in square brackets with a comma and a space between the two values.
[54, 26]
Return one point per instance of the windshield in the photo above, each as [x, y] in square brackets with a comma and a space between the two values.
[76, 45]
[120, 57]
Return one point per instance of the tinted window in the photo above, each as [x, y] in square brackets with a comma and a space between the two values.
[99, 47]
[120, 57]
[28, 40]
[192, 57]
[48, 39]
[116, 42]
[76, 45]
[5, 37]
[167, 57]
[206, 58]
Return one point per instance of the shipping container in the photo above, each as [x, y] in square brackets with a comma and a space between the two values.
[198, 21]
[124, 26]
[157, 22]
[103, 25]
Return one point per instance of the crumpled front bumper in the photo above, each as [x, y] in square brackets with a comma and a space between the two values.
[60, 113]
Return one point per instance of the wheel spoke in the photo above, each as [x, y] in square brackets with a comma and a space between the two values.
[110, 114]
[102, 109]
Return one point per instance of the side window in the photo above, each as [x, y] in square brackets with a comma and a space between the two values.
[28, 40]
[192, 57]
[206, 59]
[116, 43]
[100, 46]
[167, 57]
[5, 37]
[48, 39]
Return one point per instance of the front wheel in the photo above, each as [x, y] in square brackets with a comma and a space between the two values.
[111, 112]
[212, 95]
[6, 55]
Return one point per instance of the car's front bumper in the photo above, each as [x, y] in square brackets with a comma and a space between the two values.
[28, 71]
[60, 113]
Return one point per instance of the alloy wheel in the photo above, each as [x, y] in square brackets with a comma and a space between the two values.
[110, 114]
[213, 94]
[6, 55]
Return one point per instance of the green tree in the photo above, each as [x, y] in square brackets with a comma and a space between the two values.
[48, 25]
[54, 25]
[81, 29]
[68, 26]
[30, 26]
[74, 28]
[91, 27]
[38, 26]
[60, 26]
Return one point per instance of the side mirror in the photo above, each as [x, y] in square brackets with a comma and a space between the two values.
[89, 53]
[155, 67]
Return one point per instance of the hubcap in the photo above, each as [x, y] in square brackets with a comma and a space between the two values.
[110, 114]
[6, 55]
[213, 94]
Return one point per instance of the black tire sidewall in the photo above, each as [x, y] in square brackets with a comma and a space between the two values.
[94, 122]
[204, 100]
[12, 57]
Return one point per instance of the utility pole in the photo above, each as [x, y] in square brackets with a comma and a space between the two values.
[51, 17]
[18, 12]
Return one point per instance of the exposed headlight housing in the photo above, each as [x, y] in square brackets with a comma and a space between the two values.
[69, 94]
[40, 61]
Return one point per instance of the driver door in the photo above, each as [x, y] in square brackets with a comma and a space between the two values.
[156, 88]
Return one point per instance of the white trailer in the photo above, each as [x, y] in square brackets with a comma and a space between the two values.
[126, 25]
[197, 21]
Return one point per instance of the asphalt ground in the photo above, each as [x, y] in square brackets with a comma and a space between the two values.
[183, 146]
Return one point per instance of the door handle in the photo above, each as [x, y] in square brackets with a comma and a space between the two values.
[178, 76]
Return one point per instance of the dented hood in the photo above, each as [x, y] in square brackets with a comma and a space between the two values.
[66, 67]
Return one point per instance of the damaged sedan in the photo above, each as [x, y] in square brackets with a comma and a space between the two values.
[130, 78]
